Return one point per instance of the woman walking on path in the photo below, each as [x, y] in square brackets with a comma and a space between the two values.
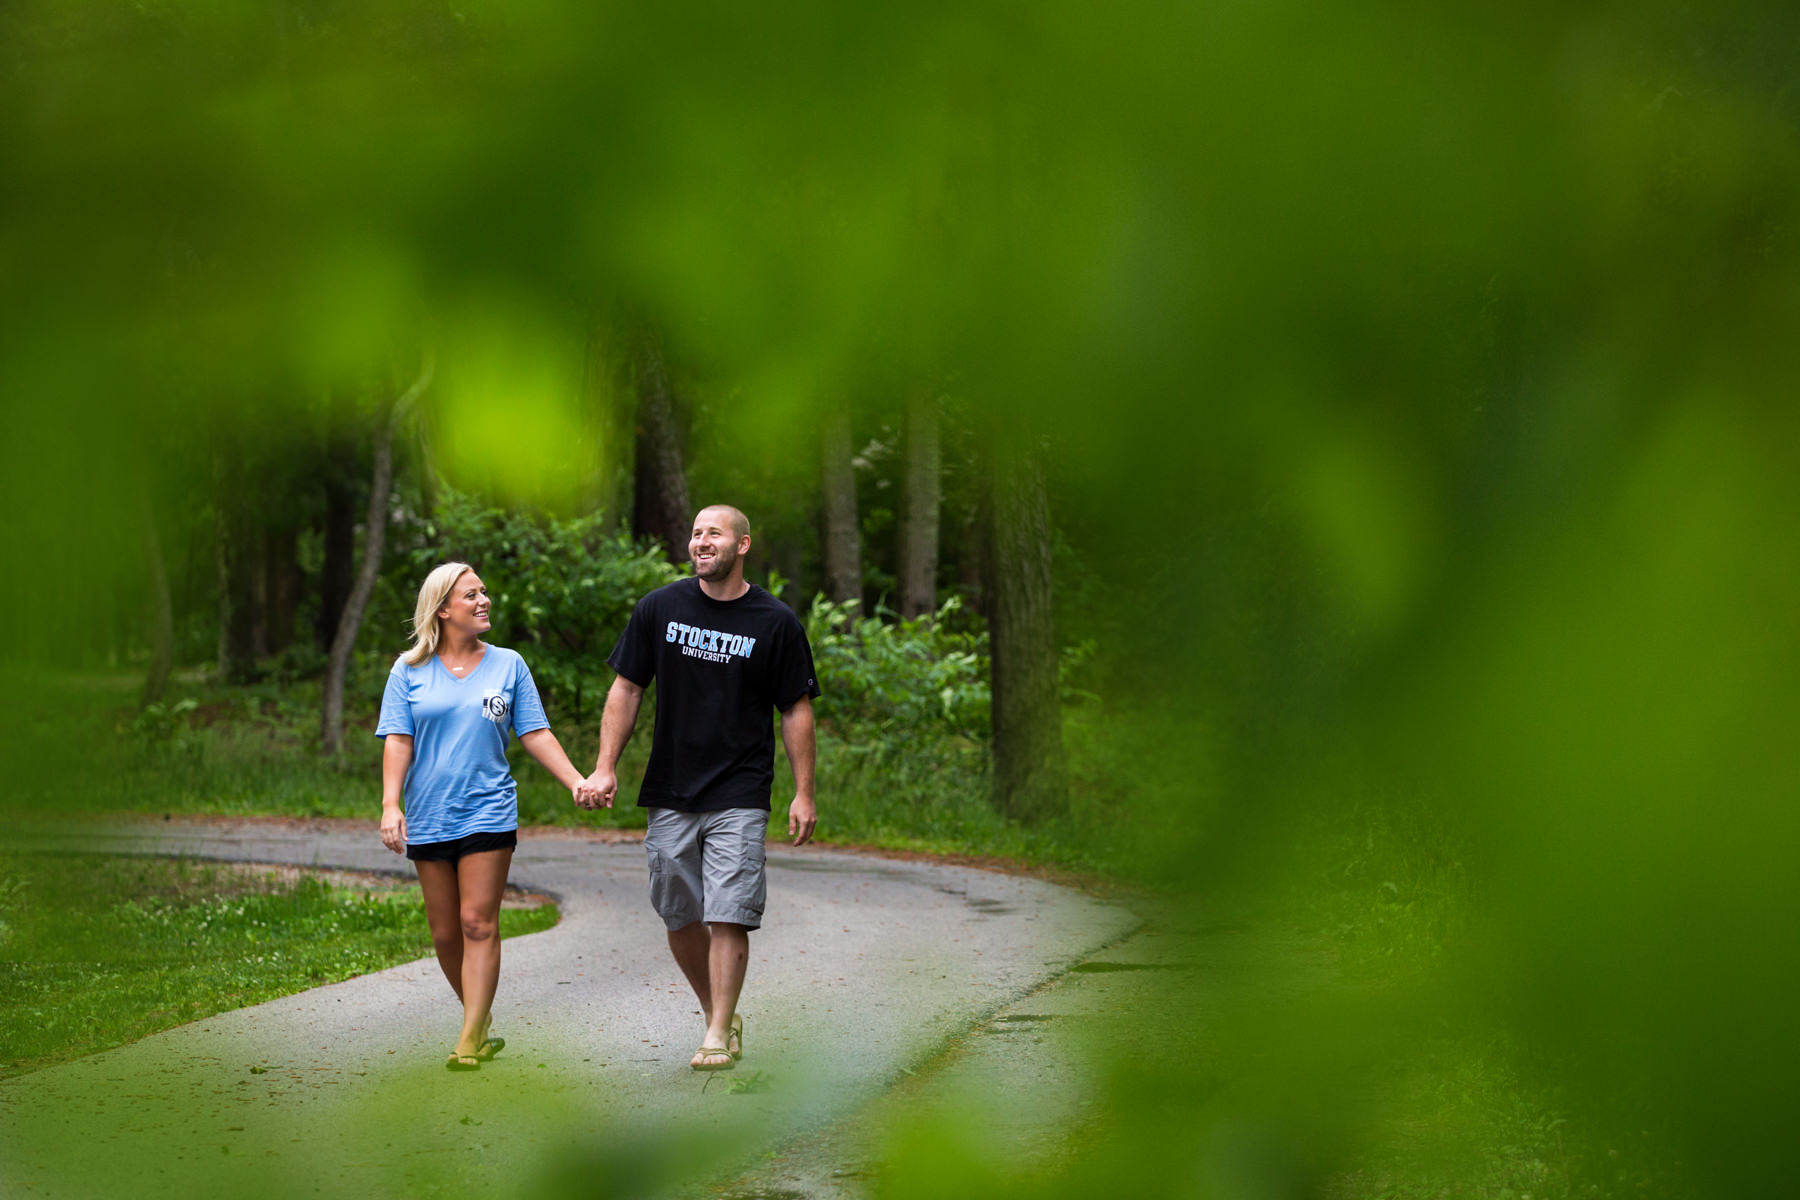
[447, 799]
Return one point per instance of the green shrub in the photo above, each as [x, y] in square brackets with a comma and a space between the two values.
[907, 681]
[562, 589]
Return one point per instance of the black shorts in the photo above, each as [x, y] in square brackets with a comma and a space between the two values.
[456, 848]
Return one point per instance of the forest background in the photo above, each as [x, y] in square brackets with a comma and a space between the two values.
[1322, 465]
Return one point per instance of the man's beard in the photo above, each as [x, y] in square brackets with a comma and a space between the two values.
[721, 566]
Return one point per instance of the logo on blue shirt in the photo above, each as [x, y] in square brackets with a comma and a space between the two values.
[493, 707]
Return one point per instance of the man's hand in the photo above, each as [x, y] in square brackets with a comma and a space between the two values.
[620, 714]
[585, 796]
[601, 786]
[798, 739]
[802, 816]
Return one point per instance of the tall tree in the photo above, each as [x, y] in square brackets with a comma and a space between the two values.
[281, 585]
[1030, 777]
[841, 544]
[236, 548]
[610, 401]
[426, 449]
[381, 478]
[921, 498]
[336, 573]
[162, 619]
[661, 509]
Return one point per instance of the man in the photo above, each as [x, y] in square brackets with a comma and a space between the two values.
[724, 653]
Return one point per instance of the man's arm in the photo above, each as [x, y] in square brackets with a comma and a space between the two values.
[616, 724]
[797, 736]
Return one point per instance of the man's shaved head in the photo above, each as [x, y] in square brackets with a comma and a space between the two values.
[740, 524]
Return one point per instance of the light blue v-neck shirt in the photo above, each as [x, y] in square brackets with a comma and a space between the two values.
[458, 782]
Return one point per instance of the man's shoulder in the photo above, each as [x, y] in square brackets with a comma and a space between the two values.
[670, 593]
[764, 600]
[657, 601]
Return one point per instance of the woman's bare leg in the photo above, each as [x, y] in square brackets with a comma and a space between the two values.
[443, 912]
[481, 881]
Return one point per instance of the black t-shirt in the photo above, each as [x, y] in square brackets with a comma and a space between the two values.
[721, 667]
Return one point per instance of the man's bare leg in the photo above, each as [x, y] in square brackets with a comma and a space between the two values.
[714, 961]
[727, 963]
[692, 947]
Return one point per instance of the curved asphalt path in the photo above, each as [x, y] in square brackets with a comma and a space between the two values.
[866, 968]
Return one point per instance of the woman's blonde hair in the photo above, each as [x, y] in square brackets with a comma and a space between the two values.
[432, 594]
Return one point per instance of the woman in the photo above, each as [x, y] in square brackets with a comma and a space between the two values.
[445, 715]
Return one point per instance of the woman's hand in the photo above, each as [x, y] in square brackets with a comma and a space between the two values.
[396, 757]
[393, 828]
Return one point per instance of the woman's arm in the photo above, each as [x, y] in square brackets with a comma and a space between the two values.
[542, 745]
[396, 757]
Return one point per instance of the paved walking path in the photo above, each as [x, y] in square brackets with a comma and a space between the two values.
[867, 968]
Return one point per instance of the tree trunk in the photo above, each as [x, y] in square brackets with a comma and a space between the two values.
[661, 508]
[235, 548]
[971, 560]
[339, 545]
[1030, 778]
[611, 398]
[381, 478]
[281, 585]
[842, 543]
[920, 501]
[428, 476]
[259, 597]
[162, 620]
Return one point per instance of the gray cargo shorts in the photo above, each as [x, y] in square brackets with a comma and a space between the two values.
[708, 866]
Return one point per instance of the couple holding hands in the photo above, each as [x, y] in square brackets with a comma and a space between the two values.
[723, 653]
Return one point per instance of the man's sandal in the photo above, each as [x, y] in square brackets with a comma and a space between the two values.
[706, 1052]
[734, 1037]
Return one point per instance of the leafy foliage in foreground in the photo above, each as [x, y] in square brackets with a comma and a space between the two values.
[98, 951]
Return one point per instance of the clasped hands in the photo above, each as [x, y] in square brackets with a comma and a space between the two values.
[593, 792]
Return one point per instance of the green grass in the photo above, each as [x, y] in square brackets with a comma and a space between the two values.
[1386, 884]
[1452, 1101]
[1467, 1112]
[98, 951]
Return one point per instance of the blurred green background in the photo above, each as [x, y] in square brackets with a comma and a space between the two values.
[1412, 389]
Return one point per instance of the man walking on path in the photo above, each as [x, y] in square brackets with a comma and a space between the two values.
[724, 654]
